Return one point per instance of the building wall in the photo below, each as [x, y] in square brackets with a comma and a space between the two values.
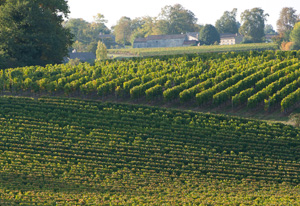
[160, 43]
[140, 45]
[238, 39]
[231, 41]
[227, 41]
[165, 43]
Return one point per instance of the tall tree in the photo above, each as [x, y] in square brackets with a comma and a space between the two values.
[176, 19]
[123, 30]
[227, 23]
[295, 36]
[209, 35]
[98, 26]
[269, 29]
[32, 32]
[253, 24]
[100, 19]
[86, 35]
[161, 27]
[286, 22]
[142, 27]
[101, 53]
[78, 28]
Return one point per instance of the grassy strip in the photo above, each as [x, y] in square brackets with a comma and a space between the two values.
[143, 52]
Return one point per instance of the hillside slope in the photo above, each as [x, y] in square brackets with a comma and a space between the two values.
[266, 81]
[70, 151]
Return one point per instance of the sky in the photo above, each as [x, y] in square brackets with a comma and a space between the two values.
[206, 11]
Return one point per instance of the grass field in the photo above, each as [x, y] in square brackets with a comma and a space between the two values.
[145, 52]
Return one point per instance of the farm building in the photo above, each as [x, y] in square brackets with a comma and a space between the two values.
[175, 40]
[230, 39]
[82, 56]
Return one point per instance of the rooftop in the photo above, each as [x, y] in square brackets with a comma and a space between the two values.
[228, 35]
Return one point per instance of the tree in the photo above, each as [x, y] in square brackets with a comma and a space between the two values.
[100, 19]
[295, 36]
[161, 27]
[286, 22]
[123, 30]
[142, 27]
[95, 29]
[209, 35]
[269, 29]
[253, 24]
[227, 23]
[92, 47]
[176, 19]
[32, 32]
[101, 53]
[78, 28]
[86, 35]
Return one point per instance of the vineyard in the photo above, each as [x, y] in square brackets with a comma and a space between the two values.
[65, 151]
[267, 79]
[59, 150]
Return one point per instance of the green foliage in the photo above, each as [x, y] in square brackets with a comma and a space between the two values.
[176, 20]
[269, 29]
[74, 62]
[101, 52]
[290, 100]
[31, 32]
[86, 34]
[209, 35]
[146, 52]
[122, 30]
[73, 152]
[295, 36]
[253, 24]
[242, 97]
[227, 23]
[286, 22]
[172, 93]
[154, 92]
[257, 79]
[142, 27]
[172, 20]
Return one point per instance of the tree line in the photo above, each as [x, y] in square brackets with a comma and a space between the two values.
[35, 32]
[176, 20]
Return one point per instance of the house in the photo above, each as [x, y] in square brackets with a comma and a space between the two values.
[230, 39]
[269, 37]
[174, 40]
[140, 43]
[190, 43]
[193, 36]
[82, 56]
